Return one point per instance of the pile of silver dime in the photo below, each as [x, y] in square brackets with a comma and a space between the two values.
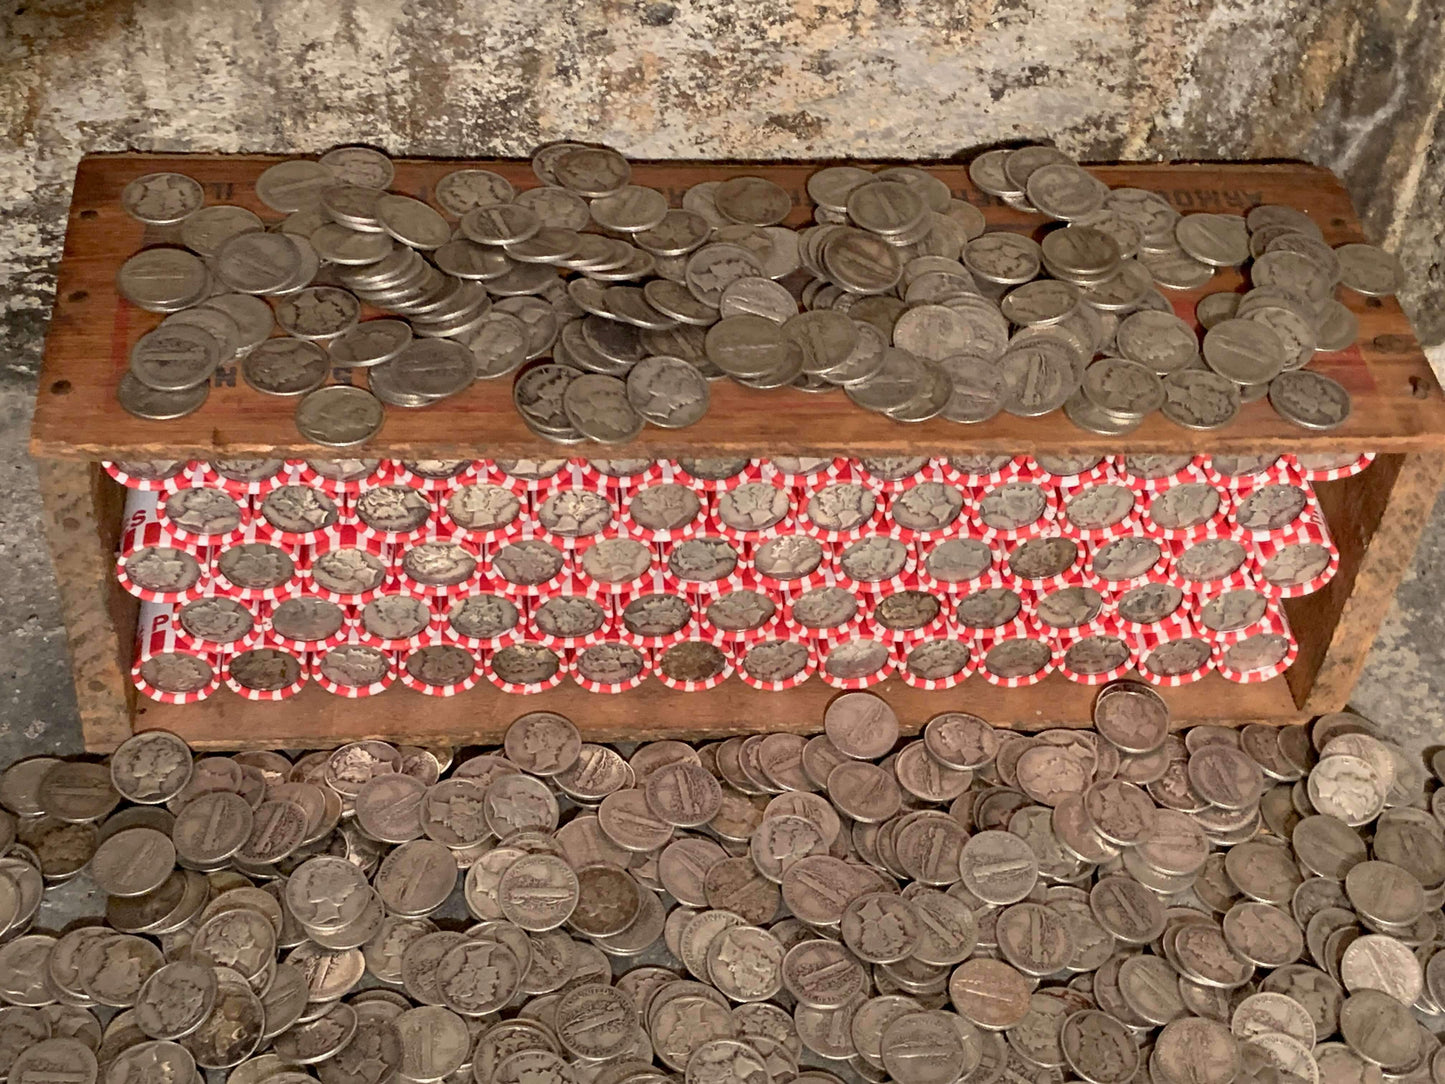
[897, 294]
[1108, 905]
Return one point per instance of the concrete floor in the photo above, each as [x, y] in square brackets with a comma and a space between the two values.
[1351, 84]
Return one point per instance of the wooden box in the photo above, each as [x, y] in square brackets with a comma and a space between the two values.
[1376, 517]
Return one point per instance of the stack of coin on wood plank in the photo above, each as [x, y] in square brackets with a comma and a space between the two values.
[1112, 904]
[355, 575]
[612, 310]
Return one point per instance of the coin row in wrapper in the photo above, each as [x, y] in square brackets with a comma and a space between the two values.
[170, 667]
[661, 614]
[573, 511]
[1044, 535]
[260, 476]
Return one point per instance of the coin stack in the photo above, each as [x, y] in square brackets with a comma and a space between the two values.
[263, 575]
[1112, 904]
[619, 310]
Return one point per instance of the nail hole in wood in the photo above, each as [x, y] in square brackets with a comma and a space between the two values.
[77, 295]
[88, 213]
[61, 387]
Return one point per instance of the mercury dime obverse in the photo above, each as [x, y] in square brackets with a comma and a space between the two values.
[151, 767]
[1099, 1048]
[175, 1000]
[464, 189]
[1196, 399]
[1347, 787]
[339, 416]
[543, 743]
[1311, 400]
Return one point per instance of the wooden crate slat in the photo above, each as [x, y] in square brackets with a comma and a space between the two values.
[1376, 519]
[1398, 405]
[83, 509]
[315, 718]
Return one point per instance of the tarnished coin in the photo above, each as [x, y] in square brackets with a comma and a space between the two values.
[52, 1059]
[998, 867]
[1348, 788]
[175, 1000]
[368, 343]
[861, 725]
[1246, 351]
[989, 993]
[1099, 1048]
[1379, 1029]
[1311, 400]
[1197, 399]
[339, 416]
[683, 794]
[151, 767]
[667, 392]
[543, 743]
[1369, 270]
[162, 199]
[133, 862]
[434, 1042]
[143, 402]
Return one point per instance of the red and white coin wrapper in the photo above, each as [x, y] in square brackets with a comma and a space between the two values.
[853, 622]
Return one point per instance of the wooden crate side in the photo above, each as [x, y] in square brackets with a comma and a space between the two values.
[1376, 519]
[316, 719]
[83, 511]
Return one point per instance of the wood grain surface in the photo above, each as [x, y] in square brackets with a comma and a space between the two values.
[83, 509]
[1376, 519]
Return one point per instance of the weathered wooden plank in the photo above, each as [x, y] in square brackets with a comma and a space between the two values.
[83, 510]
[315, 718]
[1376, 519]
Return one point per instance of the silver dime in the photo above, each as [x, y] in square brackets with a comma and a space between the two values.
[752, 200]
[174, 358]
[1038, 378]
[1310, 400]
[158, 406]
[1246, 351]
[464, 189]
[599, 408]
[259, 263]
[162, 199]
[286, 367]
[1369, 270]
[339, 416]
[1196, 399]
[667, 391]
[369, 343]
[1215, 239]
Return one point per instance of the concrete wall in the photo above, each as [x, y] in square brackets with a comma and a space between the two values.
[1352, 84]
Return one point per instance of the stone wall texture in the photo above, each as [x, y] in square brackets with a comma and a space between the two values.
[1352, 84]
[1355, 85]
